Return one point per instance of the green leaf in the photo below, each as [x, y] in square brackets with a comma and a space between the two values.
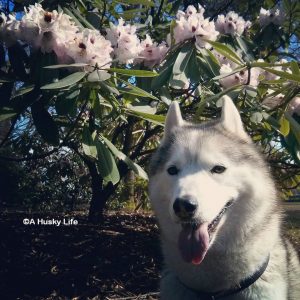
[66, 103]
[4, 78]
[276, 81]
[143, 108]
[211, 61]
[165, 95]
[248, 55]
[216, 97]
[105, 87]
[135, 167]
[44, 124]
[268, 65]
[256, 117]
[179, 81]
[252, 92]
[182, 59]
[132, 72]
[226, 51]
[230, 73]
[6, 113]
[134, 90]
[23, 90]
[200, 108]
[162, 78]
[147, 3]
[88, 143]
[95, 102]
[65, 82]
[284, 126]
[76, 65]
[283, 74]
[82, 19]
[133, 13]
[43, 76]
[94, 18]
[292, 144]
[76, 21]
[157, 119]
[272, 121]
[107, 164]
[295, 67]
[194, 69]
[295, 126]
[98, 75]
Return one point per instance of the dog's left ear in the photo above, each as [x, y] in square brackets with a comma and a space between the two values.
[231, 120]
[173, 118]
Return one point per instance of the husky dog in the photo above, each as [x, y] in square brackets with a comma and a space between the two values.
[217, 208]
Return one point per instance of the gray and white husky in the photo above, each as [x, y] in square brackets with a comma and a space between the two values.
[218, 211]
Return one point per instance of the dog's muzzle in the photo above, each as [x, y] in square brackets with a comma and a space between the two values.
[185, 207]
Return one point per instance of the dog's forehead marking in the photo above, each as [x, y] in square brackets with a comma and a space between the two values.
[202, 147]
[183, 141]
[197, 142]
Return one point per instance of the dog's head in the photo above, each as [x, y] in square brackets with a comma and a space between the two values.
[199, 174]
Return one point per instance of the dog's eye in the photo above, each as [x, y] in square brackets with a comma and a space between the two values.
[172, 170]
[218, 169]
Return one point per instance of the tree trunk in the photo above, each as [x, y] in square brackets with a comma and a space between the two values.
[101, 194]
[129, 187]
[97, 202]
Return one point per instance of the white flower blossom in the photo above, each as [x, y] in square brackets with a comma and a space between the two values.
[191, 9]
[294, 106]
[9, 29]
[90, 47]
[271, 76]
[273, 101]
[50, 31]
[231, 24]
[223, 60]
[125, 42]
[274, 15]
[151, 53]
[193, 24]
[206, 31]
[241, 77]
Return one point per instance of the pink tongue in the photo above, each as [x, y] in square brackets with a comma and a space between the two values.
[193, 243]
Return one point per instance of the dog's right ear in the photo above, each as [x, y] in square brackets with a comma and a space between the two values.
[173, 118]
[231, 120]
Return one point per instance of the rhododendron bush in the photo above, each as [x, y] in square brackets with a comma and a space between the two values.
[98, 77]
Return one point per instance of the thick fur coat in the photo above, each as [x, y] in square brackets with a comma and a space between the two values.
[215, 163]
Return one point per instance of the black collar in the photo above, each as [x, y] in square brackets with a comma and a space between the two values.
[243, 284]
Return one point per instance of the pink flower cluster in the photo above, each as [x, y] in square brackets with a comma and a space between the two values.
[151, 52]
[275, 100]
[192, 24]
[241, 77]
[129, 49]
[53, 31]
[232, 24]
[294, 106]
[272, 99]
[9, 28]
[274, 15]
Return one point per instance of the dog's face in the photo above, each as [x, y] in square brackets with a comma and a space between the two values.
[197, 175]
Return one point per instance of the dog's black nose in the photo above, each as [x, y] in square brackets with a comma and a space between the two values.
[185, 207]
